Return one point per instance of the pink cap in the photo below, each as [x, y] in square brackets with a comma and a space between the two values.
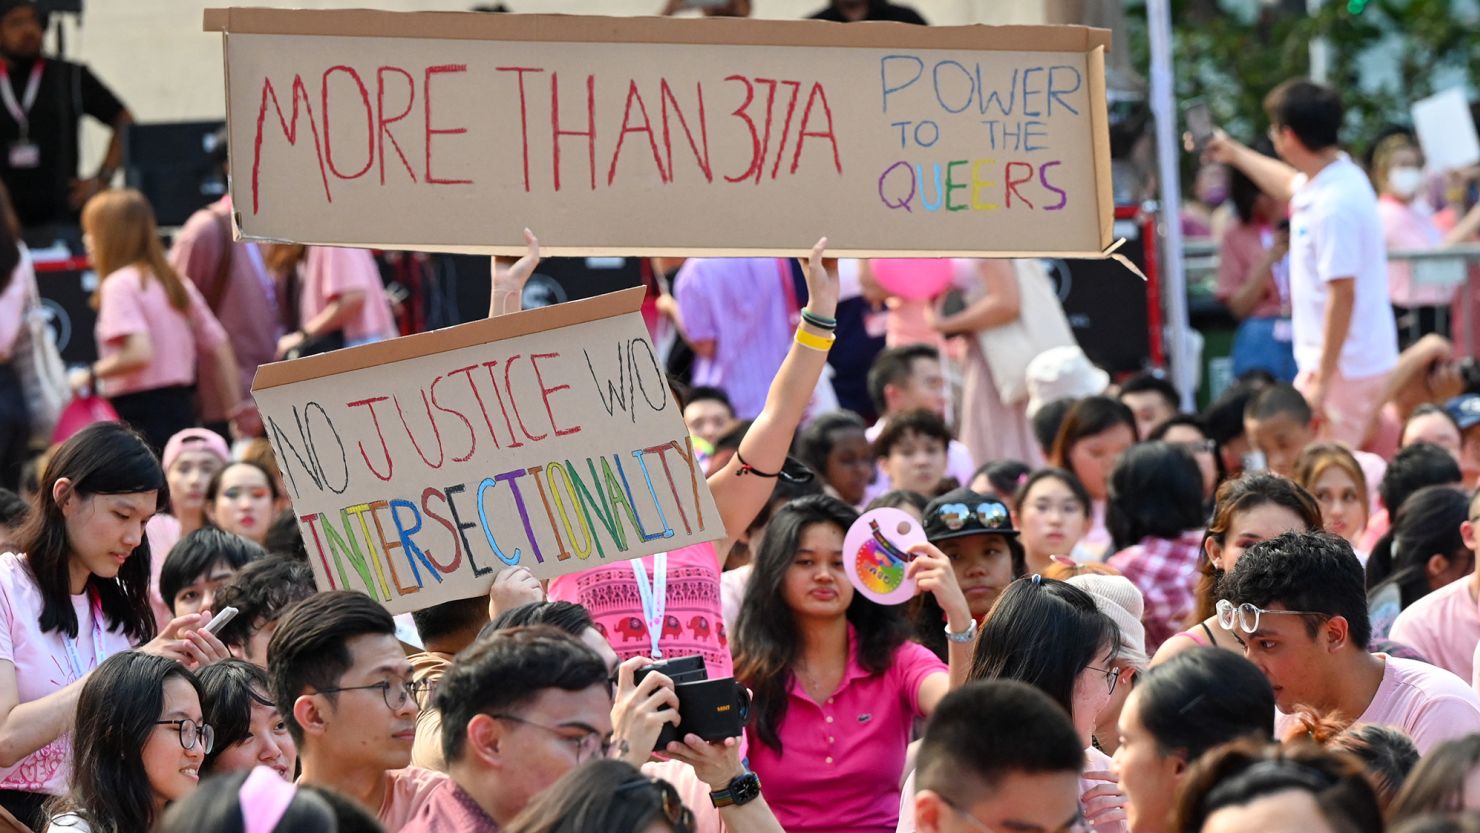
[192, 439]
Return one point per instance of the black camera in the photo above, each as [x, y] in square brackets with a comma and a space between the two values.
[712, 709]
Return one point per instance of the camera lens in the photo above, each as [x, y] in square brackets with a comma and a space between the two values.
[742, 701]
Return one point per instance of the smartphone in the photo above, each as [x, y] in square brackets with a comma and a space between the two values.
[1255, 461]
[1199, 120]
[220, 619]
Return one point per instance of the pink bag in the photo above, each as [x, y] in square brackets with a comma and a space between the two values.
[81, 412]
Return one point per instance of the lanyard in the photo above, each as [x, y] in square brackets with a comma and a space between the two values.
[654, 597]
[21, 112]
[70, 643]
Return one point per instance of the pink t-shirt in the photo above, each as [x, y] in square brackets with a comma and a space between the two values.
[1444, 627]
[405, 791]
[842, 759]
[329, 272]
[1242, 247]
[43, 666]
[128, 304]
[693, 622]
[1425, 702]
[1404, 228]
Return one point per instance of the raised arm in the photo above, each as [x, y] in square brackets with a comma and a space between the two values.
[740, 490]
[509, 278]
[1273, 177]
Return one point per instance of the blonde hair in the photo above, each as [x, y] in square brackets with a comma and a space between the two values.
[1316, 459]
[1382, 156]
[121, 225]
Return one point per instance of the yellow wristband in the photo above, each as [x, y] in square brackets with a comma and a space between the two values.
[816, 342]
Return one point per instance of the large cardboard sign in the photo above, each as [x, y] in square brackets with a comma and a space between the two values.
[454, 131]
[420, 467]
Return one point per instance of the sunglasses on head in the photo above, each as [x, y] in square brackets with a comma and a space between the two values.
[674, 811]
[990, 514]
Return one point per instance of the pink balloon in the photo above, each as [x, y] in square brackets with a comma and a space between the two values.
[913, 278]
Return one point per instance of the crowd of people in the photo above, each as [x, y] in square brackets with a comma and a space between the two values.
[1129, 618]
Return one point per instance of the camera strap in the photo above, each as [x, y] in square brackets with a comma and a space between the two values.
[654, 596]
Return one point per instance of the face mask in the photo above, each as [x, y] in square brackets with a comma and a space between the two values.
[1214, 196]
[1405, 182]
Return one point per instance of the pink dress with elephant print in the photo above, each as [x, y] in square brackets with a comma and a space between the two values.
[692, 622]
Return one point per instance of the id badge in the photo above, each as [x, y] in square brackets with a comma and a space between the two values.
[24, 155]
[876, 323]
[1284, 332]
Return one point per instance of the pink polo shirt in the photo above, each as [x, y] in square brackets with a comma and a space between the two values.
[1444, 627]
[842, 759]
[130, 303]
[693, 622]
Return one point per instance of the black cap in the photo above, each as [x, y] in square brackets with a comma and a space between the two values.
[962, 512]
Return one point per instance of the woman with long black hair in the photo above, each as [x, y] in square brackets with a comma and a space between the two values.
[78, 594]
[837, 684]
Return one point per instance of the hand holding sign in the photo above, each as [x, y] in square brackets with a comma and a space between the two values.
[508, 284]
[822, 282]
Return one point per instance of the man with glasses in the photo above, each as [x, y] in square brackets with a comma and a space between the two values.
[998, 757]
[343, 685]
[524, 706]
[1298, 604]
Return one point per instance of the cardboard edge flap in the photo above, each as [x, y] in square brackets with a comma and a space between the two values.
[461, 336]
[455, 25]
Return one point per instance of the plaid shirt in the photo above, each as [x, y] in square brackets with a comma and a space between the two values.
[1165, 571]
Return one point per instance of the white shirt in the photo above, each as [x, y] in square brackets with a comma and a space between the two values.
[1335, 232]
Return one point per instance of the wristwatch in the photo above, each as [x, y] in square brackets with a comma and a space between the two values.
[964, 636]
[744, 789]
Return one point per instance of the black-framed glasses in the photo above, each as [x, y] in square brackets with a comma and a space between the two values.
[192, 733]
[990, 514]
[395, 695]
[1246, 616]
[1076, 826]
[1112, 676]
[587, 745]
[422, 691]
[680, 817]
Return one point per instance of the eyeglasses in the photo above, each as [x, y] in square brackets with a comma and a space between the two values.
[992, 515]
[674, 811]
[1246, 616]
[395, 695]
[586, 745]
[192, 733]
[1112, 676]
[1075, 826]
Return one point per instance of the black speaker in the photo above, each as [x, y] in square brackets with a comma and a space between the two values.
[176, 165]
[1106, 305]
